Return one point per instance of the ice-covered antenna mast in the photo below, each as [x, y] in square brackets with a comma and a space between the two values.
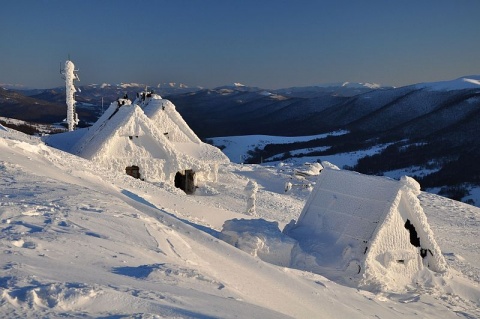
[70, 77]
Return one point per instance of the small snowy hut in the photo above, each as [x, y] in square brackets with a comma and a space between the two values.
[147, 139]
[368, 229]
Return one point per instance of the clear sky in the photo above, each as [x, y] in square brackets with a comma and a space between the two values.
[266, 43]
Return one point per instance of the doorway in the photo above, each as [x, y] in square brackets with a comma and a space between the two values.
[186, 181]
[133, 171]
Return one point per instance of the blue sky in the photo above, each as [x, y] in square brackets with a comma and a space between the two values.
[264, 43]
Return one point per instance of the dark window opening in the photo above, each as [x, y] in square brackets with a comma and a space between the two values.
[414, 240]
[401, 261]
[185, 181]
[133, 171]
[424, 252]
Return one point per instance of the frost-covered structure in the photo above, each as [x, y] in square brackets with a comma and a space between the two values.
[70, 77]
[147, 139]
[251, 190]
[369, 230]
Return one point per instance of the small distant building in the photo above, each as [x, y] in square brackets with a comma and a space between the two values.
[148, 139]
[368, 230]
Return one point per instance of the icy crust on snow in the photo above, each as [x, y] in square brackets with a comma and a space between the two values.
[354, 224]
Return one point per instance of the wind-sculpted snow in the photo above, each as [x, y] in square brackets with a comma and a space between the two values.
[80, 241]
[63, 297]
[260, 238]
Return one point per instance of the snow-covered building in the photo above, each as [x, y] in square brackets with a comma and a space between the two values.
[163, 113]
[370, 230]
[147, 139]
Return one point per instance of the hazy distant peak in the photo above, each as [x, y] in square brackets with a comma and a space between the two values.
[466, 82]
[128, 85]
[172, 85]
[121, 85]
[472, 79]
[13, 86]
[361, 85]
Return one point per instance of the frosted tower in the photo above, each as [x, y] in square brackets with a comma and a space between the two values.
[70, 76]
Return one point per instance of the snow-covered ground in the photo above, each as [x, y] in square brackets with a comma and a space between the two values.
[42, 128]
[79, 241]
[237, 147]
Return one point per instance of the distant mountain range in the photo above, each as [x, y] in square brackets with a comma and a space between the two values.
[427, 124]
[48, 105]
[434, 127]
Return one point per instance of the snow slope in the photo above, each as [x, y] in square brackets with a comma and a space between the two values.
[237, 147]
[79, 241]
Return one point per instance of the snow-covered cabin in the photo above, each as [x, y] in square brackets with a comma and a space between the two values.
[147, 139]
[370, 230]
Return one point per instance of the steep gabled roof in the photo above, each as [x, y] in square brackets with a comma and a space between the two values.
[346, 208]
[163, 113]
[358, 224]
[110, 136]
